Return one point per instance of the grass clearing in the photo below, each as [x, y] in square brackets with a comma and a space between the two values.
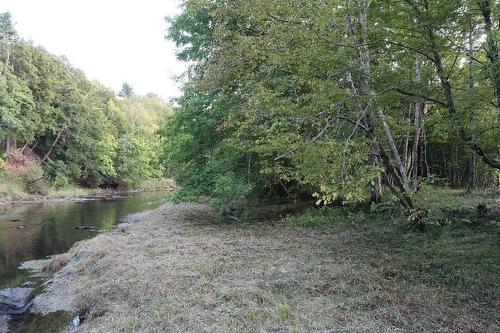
[182, 270]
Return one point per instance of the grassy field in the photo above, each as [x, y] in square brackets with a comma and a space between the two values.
[181, 269]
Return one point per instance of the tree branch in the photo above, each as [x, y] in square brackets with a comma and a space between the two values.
[431, 99]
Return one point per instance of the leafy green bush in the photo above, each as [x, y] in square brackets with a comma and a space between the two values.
[60, 181]
[56, 173]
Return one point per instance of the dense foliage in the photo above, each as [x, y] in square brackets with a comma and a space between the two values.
[76, 129]
[339, 100]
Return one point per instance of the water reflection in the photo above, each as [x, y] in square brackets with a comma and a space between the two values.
[54, 322]
[36, 231]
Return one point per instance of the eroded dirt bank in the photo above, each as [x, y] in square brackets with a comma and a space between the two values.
[178, 269]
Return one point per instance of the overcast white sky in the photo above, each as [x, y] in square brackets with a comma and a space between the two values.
[112, 41]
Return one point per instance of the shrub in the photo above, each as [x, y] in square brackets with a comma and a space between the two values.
[2, 166]
[60, 181]
[56, 173]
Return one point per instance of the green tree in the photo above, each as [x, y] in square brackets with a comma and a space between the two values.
[335, 99]
[78, 128]
[126, 91]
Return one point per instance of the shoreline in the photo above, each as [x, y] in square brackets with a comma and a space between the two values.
[47, 200]
[93, 194]
[178, 268]
[60, 268]
[28, 274]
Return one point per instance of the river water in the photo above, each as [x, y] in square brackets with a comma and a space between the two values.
[36, 231]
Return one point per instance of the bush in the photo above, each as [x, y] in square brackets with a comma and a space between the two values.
[56, 173]
[60, 181]
[2, 166]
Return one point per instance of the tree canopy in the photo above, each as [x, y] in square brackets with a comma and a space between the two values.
[79, 129]
[342, 101]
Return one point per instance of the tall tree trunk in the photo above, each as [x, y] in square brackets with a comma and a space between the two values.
[424, 151]
[416, 141]
[406, 141]
[376, 190]
[492, 46]
[471, 160]
[366, 89]
[395, 153]
[363, 82]
[398, 190]
[419, 114]
[7, 148]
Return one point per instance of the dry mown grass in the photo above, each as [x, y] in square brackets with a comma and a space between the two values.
[180, 271]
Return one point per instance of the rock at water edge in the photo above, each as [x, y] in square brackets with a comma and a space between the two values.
[16, 300]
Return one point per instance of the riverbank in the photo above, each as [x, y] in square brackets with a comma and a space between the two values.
[12, 193]
[180, 269]
[31, 232]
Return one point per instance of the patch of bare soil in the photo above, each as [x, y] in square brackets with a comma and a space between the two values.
[181, 270]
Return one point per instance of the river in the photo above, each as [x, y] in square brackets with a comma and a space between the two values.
[36, 231]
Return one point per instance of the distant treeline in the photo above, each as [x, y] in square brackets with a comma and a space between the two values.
[77, 130]
[341, 101]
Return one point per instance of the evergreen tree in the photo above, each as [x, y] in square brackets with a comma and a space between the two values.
[126, 91]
